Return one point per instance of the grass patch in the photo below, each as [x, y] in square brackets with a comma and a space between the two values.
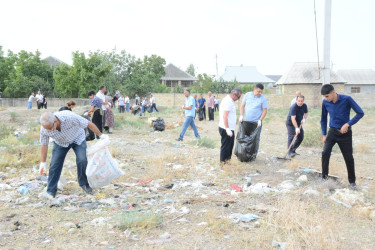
[5, 131]
[313, 138]
[138, 220]
[130, 122]
[204, 142]
[13, 116]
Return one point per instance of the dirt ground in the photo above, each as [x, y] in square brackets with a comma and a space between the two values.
[278, 204]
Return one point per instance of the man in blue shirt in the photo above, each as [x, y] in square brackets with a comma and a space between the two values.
[254, 105]
[202, 105]
[189, 108]
[338, 107]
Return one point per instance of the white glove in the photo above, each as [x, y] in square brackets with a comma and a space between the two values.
[303, 121]
[259, 123]
[229, 132]
[297, 131]
[43, 168]
[241, 118]
[103, 136]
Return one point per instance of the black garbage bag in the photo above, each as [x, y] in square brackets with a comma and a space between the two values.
[201, 114]
[159, 124]
[89, 134]
[246, 145]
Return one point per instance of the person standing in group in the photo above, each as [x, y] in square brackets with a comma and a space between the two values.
[189, 108]
[153, 104]
[210, 106]
[96, 111]
[114, 101]
[121, 104]
[127, 103]
[254, 107]
[44, 101]
[109, 121]
[294, 100]
[117, 92]
[217, 101]
[196, 105]
[340, 129]
[39, 100]
[202, 105]
[69, 106]
[227, 124]
[137, 100]
[144, 105]
[298, 114]
[30, 101]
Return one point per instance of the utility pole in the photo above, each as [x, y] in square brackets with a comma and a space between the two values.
[327, 42]
[217, 71]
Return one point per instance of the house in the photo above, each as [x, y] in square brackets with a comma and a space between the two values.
[177, 77]
[308, 78]
[52, 61]
[358, 80]
[245, 75]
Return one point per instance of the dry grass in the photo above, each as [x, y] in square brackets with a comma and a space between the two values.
[362, 148]
[138, 220]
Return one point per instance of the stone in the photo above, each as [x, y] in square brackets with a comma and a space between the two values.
[70, 225]
[302, 178]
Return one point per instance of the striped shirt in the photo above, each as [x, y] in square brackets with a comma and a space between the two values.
[96, 102]
[211, 102]
[72, 130]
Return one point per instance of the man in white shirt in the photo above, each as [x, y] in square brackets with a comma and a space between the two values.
[30, 101]
[298, 93]
[101, 95]
[39, 100]
[227, 124]
[127, 103]
[153, 104]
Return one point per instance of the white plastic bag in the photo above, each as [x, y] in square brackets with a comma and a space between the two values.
[102, 169]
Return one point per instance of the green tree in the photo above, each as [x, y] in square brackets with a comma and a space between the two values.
[191, 70]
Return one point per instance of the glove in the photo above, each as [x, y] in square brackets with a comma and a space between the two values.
[43, 168]
[303, 121]
[241, 118]
[103, 136]
[259, 123]
[297, 131]
[229, 132]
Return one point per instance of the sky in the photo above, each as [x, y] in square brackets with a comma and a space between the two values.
[268, 34]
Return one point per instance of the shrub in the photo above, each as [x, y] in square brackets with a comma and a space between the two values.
[138, 219]
[204, 142]
[313, 138]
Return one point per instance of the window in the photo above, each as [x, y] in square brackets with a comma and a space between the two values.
[355, 90]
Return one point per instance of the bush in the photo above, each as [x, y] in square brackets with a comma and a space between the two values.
[138, 219]
[313, 138]
[204, 142]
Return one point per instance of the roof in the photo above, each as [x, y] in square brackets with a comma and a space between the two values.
[274, 77]
[53, 61]
[358, 76]
[244, 74]
[174, 73]
[307, 73]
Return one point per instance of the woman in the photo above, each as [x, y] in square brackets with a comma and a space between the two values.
[69, 106]
[298, 114]
[109, 120]
[44, 101]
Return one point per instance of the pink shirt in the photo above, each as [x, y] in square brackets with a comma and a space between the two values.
[211, 102]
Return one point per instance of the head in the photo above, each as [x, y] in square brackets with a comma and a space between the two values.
[300, 100]
[328, 92]
[258, 89]
[136, 95]
[235, 94]
[187, 92]
[39, 92]
[91, 94]
[201, 96]
[106, 92]
[298, 93]
[102, 89]
[122, 95]
[48, 121]
[71, 104]
[195, 96]
[209, 93]
[150, 96]
[32, 94]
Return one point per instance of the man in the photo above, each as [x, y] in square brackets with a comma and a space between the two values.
[210, 106]
[96, 110]
[298, 114]
[294, 100]
[121, 104]
[189, 108]
[39, 100]
[127, 103]
[338, 107]
[254, 105]
[117, 92]
[153, 104]
[67, 130]
[30, 101]
[217, 101]
[101, 95]
[227, 124]
[196, 105]
[137, 100]
[144, 104]
[202, 105]
[115, 99]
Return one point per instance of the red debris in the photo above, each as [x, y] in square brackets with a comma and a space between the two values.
[236, 188]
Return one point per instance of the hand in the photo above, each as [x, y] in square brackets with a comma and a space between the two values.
[241, 118]
[297, 131]
[90, 113]
[344, 128]
[43, 168]
[103, 136]
[303, 121]
[229, 132]
[324, 139]
[182, 107]
[259, 123]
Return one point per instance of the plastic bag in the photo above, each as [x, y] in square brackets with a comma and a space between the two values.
[89, 134]
[159, 124]
[102, 169]
[201, 114]
[246, 146]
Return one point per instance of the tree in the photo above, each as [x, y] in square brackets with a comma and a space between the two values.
[191, 70]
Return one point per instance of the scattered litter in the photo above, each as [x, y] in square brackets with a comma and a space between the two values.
[23, 190]
[169, 186]
[90, 205]
[58, 202]
[305, 170]
[165, 236]
[236, 188]
[260, 188]
[100, 221]
[168, 200]
[348, 197]
[203, 223]
[236, 218]
[311, 191]
[144, 182]
[302, 178]
[282, 245]
[5, 187]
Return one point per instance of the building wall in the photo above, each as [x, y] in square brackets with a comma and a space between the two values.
[364, 88]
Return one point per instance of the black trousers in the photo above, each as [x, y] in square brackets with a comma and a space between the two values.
[121, 109]
[204, 112]
[210, 114]
[217, 107]
[97, 119]
[291, 134]
[227, 144]
[345, 143]
[40, 105]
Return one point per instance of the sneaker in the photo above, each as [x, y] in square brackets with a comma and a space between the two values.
[291, 155]
[353, 186]
[46, 196]
[296, 153]
[87, 189]
[198, 138]
[179, 139]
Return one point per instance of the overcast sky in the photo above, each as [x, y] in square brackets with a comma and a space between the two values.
[268, 34]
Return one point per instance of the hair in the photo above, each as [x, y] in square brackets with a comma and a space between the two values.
[106, 92]
[47, 118]
[301, 96]
[187, 90]
[209, 92]
[326, 89]
[71, 103]
[91, 93]
[259, 86]
[236, 91]
[101, 87]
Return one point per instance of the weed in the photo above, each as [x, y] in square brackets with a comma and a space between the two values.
[204, 142]
[313, 138]
[138, 220]
[5, 131]
[13, 116]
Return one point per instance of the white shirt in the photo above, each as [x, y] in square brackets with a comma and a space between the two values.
[227, 104]
[144, 102]
[102, 97]
[152, 100]
[126, 100]
[39, 98]
[31, 98]
[293, 101]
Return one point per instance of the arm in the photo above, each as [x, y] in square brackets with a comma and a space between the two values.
[91, 110]
[306, 115]
[358, 110]
[188, 108]
[242, 108]
[225, 119]
[323, 122]
[94, 129]
[293, 118]
[264, 113]
[43, 153]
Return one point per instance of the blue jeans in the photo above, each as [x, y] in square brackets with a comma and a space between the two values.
[127, 108]
[143, 108]
[29, 105]
[153, 106]
[258, 142]
[189, 122]
[57, 162]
